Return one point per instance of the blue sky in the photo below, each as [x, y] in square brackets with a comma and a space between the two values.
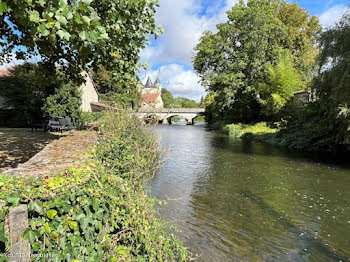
[184, 22]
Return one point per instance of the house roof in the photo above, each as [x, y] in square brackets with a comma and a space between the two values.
[149, 83]
[149, 98]
[5, 72]
[301, 92]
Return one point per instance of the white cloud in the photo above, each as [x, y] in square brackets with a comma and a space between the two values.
[183, 27]
[332, 15]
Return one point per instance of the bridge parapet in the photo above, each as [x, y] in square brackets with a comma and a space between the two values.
[164, 115]
[172, 110]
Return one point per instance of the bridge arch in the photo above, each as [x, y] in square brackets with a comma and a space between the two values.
[171, 117]
[198, 115]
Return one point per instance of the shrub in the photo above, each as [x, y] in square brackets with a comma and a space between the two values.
[65, 102]
[100, 212]
[239, 130]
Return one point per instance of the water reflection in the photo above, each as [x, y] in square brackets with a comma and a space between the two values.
[243, 201]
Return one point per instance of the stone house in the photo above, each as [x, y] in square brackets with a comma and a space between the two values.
[88, 93]
[4, 73]
[304, 96]
[151, 94]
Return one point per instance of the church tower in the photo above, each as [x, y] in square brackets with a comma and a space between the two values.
[151, 95]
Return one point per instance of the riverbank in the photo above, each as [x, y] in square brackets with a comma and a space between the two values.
[99, 210]
[297, 140]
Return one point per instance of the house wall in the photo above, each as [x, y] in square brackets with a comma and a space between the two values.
[2, 102]
[158, 103]
[88, 93]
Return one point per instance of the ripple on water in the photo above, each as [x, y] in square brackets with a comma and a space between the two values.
[298, 210]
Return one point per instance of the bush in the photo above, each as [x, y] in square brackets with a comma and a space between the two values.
[65, 102]
[100, 212]
[239, 130]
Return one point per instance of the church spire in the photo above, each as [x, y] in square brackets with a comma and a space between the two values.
[149, 83]
[157, 80]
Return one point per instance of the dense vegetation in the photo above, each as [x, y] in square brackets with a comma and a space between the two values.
[257, 59]
[77, 35]
[99, 212]
[325, 124]
[179, 102]
[265, 52]
[32, 93]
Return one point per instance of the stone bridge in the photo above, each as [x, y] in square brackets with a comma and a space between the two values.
[165, 115]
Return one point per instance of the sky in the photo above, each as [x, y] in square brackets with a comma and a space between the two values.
[184, 21]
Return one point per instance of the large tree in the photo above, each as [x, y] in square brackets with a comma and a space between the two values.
[235, 62]
[333, 84]
[78, 34]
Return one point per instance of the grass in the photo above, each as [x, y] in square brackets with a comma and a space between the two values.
[241, 130]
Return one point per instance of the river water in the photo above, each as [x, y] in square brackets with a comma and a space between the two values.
[235, 200]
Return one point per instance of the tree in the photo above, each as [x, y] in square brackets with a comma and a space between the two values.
[183, 102]
[25, 90]
[234, 62]
[333, 84]
[79, 34]
[208, 100]
[65, 102]
[281, 83]
[303, 35]
[168, 98]
[179, 102]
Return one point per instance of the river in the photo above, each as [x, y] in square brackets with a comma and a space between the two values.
[235, 200]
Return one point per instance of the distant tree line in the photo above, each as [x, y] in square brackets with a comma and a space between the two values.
[179, 102]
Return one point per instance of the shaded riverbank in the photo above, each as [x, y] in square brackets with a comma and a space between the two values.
[235, 199]
[293, 140]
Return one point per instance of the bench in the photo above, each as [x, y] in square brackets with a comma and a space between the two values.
[60, 124]
[39, 124]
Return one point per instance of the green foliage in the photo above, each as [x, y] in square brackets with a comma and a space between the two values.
[333, 84]
[240, 130]
[234, 62]
[208, 100]
[101, 211]
[168, 98]
[65, 102]
[323, 125]
[87, 118]
[179, 102]
[113, 91]
[281, 83]
[25, 90]
[79, 34]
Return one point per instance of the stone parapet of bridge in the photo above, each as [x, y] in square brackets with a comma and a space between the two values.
[164, 115]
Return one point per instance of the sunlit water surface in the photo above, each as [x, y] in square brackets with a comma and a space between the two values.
[233, 200]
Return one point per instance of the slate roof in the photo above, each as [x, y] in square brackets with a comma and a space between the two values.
[157, 80]
[149, 83]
